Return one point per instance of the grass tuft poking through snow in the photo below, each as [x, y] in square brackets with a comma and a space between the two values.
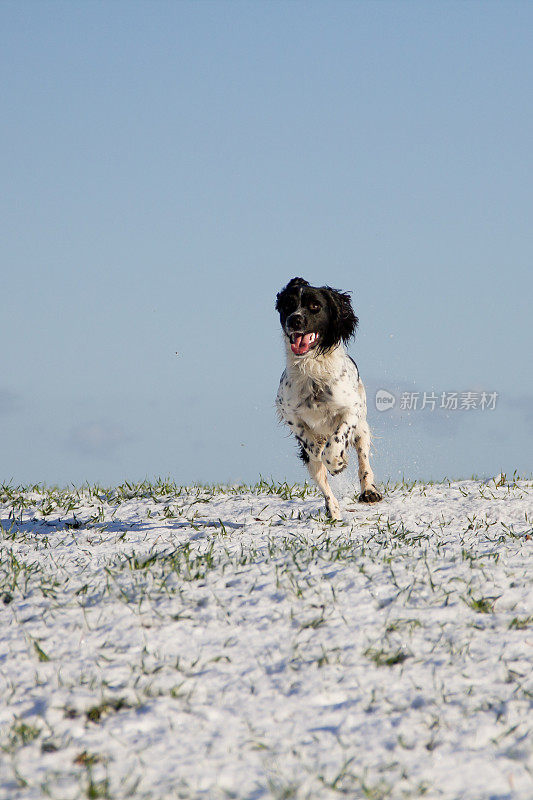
[161, 641]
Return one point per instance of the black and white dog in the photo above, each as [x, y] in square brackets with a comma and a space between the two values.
[321, 396]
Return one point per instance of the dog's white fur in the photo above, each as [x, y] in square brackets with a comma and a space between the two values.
[322, 399]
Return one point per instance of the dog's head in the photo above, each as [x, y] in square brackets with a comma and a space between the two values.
[314, 316]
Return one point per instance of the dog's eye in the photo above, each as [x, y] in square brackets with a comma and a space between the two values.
[314, 306]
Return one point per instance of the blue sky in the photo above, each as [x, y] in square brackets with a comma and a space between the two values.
[168, 166]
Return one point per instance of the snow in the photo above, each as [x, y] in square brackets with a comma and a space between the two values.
[216, 642]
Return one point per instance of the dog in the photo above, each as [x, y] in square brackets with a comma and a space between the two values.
[321, 396]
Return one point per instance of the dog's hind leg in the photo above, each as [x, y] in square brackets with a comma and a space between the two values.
[319, 474]
[369, 491]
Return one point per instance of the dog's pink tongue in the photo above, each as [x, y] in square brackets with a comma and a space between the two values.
[301, 344]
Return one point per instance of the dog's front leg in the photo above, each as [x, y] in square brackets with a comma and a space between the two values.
[312, 445]
[335, 453]
[318, 472]
[369, 490]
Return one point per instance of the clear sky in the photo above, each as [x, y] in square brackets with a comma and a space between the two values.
[168, 166]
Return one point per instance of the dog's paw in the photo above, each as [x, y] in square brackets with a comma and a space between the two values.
[370, 495]
[337, 467]
[333, 510]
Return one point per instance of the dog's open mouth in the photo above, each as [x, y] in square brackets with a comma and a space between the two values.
[302, 342]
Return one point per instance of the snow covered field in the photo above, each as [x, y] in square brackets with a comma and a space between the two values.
[167, 642]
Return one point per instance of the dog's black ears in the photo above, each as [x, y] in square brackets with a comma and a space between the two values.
[344, 321]
[292, 284]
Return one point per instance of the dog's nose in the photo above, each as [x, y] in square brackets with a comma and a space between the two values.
[295, 322]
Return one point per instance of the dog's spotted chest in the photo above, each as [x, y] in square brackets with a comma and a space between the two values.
[320, 400]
